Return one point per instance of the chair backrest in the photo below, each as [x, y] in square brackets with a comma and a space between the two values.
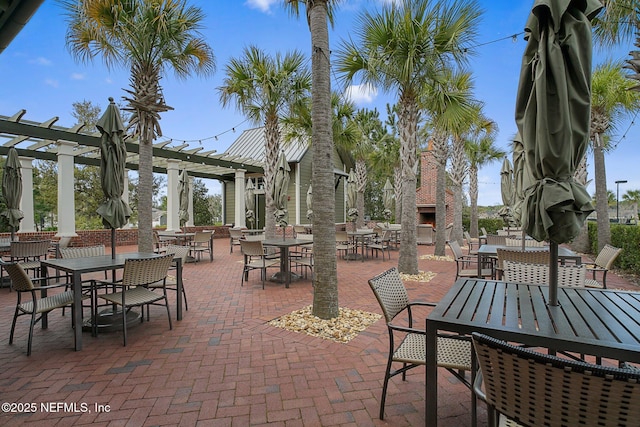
[144, 271]
[390, 293]
[82, 252]
[517, 241]
[483, 231]
[30, 249]
[305, 237]
[538, 274]
[494, 239]
[607, 256]
[455, 248]
[255, 237]
[181, 252]
[342, 236]
[202, 236]
[64, 242]
[538, 389]
[235, 233]
[299, 229]
[518, 255]
[252, 247]
[448, 231]
[20, 280]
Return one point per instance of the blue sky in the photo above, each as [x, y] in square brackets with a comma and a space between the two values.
[40, 76]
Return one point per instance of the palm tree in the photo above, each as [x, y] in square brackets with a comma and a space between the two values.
[325, 285]
[616, 23]
[481, 151]
[611, 101]
[149, 38]
[402, 48]
[264, 88]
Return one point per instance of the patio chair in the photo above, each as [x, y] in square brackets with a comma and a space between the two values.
[448, 230]
[235, 235]
[517, 242]
[255, 258]
[603, 263]
[36, 305]
[302, 256]
[407, 344]
[137, 275]
[525, 388]
[54, 248]
[518, 255]
[380, 244]
[343, 243]
[29, 253]
[171, 282]
[467, 265]
[472, 243]
[424, 234]
[202, 242]
[494, 239]
[538, 274]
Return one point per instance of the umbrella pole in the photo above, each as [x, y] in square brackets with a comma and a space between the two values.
[113, 243]
[553, 274]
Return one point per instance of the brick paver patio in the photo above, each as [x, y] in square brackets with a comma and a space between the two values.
[223, 365]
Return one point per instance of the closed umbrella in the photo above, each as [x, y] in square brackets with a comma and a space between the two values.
[387, 199]
[352, 191]
[553, 113]
[280, 190]
[506, 191]
[309, 203]
[183, 197]
[518, 180]
[250, 202]
[12, 190]
[114, 211]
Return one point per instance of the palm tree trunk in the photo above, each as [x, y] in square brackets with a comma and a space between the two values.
[325, 284]
[408, 127]
[441, 210]
[272, 147]
[602, 202]
[581, 242]
[473, 195]
[458, 172]
[361, 183]
[145, 193]
[397, 192]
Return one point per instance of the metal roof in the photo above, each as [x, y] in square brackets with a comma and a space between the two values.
[250, 144]
[39, 140]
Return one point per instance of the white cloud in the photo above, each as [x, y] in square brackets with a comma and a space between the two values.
[41, 61]
[51, 82]
[263, 5]
[77, 76]
[361, 94]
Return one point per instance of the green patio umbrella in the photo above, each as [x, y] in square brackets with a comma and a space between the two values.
[12, 190]
[352, 191]
[114, 211]
[387, 199]
[309, 203]
[280, 190]
[506, 191]
[518, 180]
[250, 202]
[553, 113]
[183, 197]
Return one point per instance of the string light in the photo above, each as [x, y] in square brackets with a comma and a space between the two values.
[624, 136]
[199, 140]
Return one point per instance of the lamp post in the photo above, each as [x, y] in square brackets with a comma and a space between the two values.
[618, 198]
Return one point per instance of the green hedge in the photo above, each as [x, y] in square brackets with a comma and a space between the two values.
[492, 225]
[626, 237]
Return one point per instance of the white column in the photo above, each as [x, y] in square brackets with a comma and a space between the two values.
[26, 202]
[66, 202]
[298, 200]
[173, 199]
[190, 222]
[240, 219]
[125, 193]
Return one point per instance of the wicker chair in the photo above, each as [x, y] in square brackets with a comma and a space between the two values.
[137, 275]
[517, 242]
[235, 235]
[518, 255]
[29, 253]
[381, 244]
[35, 306]
[343, 243]
[467, 265]
[472, 243]
[603, 263]
[538, 274]
[302, 257]
[454, 352]
[171, 282]
[255, 258]
[527, 388]
[202, 242]
[494, 239]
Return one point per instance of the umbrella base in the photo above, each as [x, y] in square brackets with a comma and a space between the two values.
[285, 277]
[110, 321]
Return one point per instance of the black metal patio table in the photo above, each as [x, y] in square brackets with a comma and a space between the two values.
[598, 322]
[79, 266]
[284, 275]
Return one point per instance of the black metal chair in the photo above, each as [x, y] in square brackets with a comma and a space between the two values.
[407, 344]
